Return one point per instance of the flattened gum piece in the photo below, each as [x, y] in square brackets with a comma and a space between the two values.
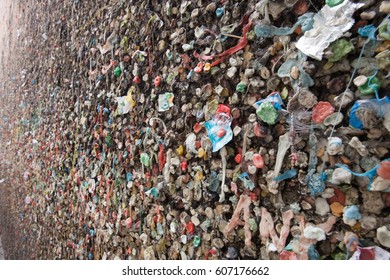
[337, 209]
[266, 225]
[321, 111]
[267, 228]
[287, 217]
[243, 204]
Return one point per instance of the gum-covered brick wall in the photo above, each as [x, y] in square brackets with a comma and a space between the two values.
[195, 129]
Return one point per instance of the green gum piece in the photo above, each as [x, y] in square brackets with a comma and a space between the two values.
[108, 140]
[145, 159]
[340, 256]
[370, 86]
[383, 32]
[267, 113]
[170, 78]
[117, 71]
[169, 55]
[241, 87]
[333, 3]
[125, 43]
[284, 93]
[214, 70]
[154, 192]
[196, 241]
[341, 48]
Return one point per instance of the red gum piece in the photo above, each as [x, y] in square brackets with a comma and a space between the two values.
[161, 158]
[321, 111]
[339, 197]
[384, 170]
[197, 127]
[241, 44]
